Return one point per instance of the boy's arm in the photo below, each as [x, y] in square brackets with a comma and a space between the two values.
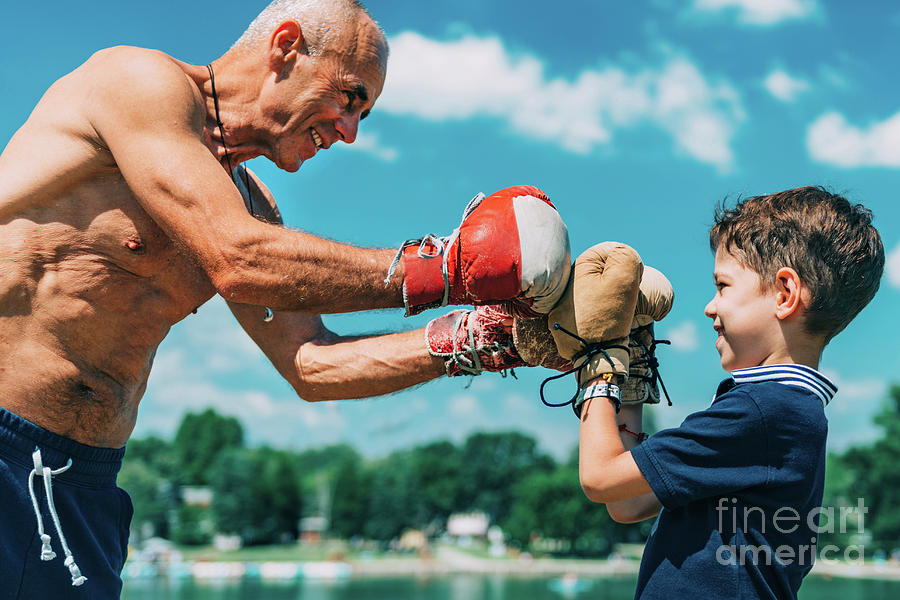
[643, 506]
[606, 468]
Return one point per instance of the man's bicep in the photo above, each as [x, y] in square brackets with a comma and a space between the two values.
[154, 132]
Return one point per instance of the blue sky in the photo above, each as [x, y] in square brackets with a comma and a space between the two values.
[635, 117]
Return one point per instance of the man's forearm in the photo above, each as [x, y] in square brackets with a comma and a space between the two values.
[294, 271]
[342, 367]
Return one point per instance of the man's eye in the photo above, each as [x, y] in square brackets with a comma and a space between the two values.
[351, 96]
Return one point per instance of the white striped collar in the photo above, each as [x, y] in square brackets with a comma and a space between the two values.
[791, 374]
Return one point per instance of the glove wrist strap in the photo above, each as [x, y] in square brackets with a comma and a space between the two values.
[601, 389]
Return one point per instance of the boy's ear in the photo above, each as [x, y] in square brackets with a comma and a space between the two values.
[789, 292]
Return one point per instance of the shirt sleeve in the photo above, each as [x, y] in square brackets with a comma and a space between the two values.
[713, 452]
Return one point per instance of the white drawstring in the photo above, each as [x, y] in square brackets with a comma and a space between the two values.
[47, 552]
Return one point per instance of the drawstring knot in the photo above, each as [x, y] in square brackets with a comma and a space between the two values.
[47, 552]
[589, 351]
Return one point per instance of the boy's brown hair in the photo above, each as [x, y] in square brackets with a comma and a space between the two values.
[830, 242]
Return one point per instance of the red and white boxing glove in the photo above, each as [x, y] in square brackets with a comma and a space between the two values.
[474, 341]
[510, 245]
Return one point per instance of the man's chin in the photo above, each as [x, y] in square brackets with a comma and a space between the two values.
[289, 167]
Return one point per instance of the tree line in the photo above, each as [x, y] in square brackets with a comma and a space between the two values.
[260, 493]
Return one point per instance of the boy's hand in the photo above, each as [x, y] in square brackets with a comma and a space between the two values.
[598, 306]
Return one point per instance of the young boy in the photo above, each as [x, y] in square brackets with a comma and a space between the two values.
[738, 486]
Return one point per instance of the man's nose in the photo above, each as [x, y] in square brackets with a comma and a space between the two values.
[347, 127]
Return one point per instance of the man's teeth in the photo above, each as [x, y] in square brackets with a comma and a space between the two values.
[316, 138]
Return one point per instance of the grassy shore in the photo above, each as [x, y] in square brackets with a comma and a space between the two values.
[443, 559]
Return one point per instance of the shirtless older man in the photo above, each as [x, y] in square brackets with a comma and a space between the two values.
[123, 208]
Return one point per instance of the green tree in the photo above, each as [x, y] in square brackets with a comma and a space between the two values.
[256, 495]
[551, 504]
[236, 503]
[200, 439]
[350, 499]
[151, 495]
[876, 476]
[281, 492]
[147, 473]
[156, 454]
[493, 463]
[394, 503]
[193, 525]
[438, 473]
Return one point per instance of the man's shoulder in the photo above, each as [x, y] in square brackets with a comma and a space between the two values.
[123, 78]
[780, 408]
[133, 61]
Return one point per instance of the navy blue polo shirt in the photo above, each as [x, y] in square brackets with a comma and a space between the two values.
[741, 485]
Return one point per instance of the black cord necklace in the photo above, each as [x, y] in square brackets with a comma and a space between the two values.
[245, 177]
[269, 315]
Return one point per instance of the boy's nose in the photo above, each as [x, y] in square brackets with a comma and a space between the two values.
[710, 309]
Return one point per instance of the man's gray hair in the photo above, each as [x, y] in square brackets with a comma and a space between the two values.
[321, 21]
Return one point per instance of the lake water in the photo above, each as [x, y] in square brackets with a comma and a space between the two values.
[465, 587]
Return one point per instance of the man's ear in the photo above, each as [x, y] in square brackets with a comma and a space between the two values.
[790, 293]
[286, 45]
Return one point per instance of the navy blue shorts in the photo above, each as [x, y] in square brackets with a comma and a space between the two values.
[93, 514]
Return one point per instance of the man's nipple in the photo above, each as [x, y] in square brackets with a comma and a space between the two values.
[135, 245]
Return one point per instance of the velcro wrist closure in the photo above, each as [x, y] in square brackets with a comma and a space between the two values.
[598, 390]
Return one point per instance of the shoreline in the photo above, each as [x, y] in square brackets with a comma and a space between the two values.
[445, 562]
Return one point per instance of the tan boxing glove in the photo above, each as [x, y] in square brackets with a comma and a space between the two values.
[598, 307]
[654, 302]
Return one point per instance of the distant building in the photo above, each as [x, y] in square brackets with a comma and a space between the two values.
[197, 495]
[412, 539]
[312, 529]
[468, 525]
[226, 543]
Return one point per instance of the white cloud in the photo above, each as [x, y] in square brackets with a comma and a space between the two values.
[893, 267]
[475, 77]
[856, 395]
[520, 405]
[370, 143]
[266, 417]
[683, 337]
[465, 407]
[783, 86]
[832, 140]
[761, 12]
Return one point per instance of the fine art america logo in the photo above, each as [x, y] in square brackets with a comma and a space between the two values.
[787, 520]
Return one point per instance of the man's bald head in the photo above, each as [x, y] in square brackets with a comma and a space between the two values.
[325, 24]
